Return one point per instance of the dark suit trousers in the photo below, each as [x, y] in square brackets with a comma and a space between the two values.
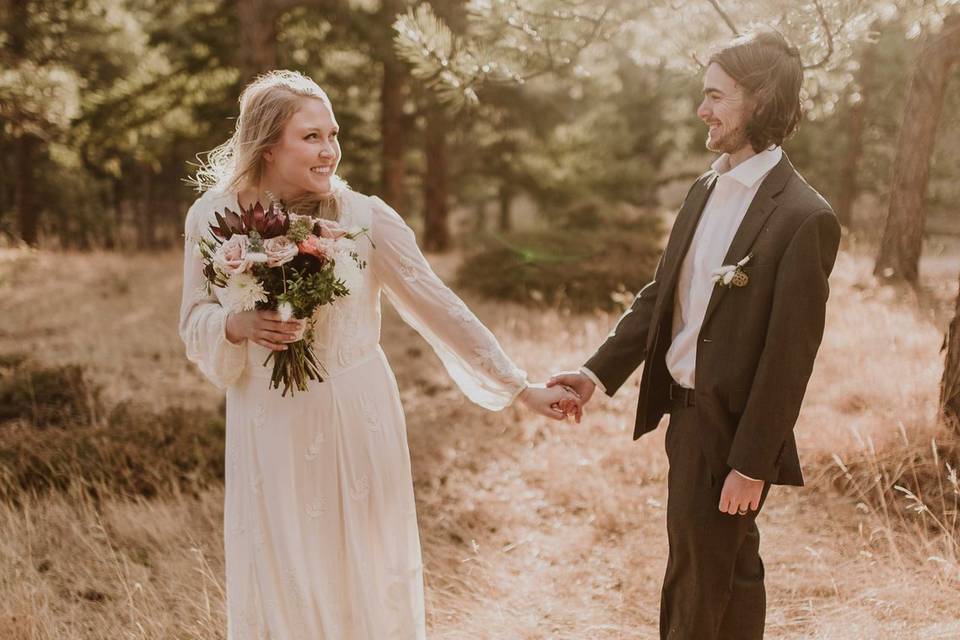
[713, 588]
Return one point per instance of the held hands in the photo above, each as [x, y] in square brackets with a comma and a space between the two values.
[557, 402]
[580, 384]
[264, 328]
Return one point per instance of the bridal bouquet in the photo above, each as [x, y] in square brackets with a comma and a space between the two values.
[277, 260]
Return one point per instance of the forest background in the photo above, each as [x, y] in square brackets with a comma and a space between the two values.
[540, 148]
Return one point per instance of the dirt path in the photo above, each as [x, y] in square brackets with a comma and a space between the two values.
[533, 529]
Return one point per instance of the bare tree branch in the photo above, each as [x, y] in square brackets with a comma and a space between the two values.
[594, 35]
[726, 18]
[828, 32]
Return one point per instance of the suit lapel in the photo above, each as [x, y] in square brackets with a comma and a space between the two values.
[680, 238]
[760, 209]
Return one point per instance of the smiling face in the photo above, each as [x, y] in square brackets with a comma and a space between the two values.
[725, 110]
[307, 154]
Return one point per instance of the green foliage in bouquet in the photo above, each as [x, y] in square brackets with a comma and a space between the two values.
[306, 285]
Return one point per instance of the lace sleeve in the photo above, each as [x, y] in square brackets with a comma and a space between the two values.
[202, 319]
[468, 350]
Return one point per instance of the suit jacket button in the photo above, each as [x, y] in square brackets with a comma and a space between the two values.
[707, 340]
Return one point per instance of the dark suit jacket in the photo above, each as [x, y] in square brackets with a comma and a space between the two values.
[757, 344]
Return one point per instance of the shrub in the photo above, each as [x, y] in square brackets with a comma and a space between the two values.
[136, 452]
[49, 442]
[581, 266]
[913, 489]
[46, 396]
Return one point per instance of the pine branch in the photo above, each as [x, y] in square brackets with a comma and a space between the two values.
[510, 44]
[826, 29]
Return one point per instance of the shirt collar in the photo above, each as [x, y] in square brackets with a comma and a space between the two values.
[752, 170]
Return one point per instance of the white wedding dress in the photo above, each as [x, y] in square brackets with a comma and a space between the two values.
[320, 525]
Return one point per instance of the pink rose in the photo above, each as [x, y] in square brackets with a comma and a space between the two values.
[231, 256]
[279, 250]
[329, 229]
[317, 247]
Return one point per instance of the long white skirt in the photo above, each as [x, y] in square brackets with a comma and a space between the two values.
[320, 524]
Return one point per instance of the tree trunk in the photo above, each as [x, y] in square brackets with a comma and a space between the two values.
[505, 197]
[851, 161]
[146, 221]
[950, 383]
[113, 238]
[257, 44]
[392, 131]
[436, 234]
[28, 213]
[480, 216]
[902, 241]
[24, 144]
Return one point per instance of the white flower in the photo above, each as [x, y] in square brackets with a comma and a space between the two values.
[296, 217]
[285, 310]
[345, 268]
[346, 245]
[243, 292]
[724, 275]
[279, 250]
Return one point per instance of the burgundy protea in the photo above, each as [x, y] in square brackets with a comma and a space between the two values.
[269, 223]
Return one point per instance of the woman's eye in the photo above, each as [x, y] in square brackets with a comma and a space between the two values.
[310, 136]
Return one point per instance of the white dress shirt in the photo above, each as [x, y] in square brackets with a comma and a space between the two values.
[721, 217]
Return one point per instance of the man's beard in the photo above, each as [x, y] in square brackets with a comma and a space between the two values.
[730, 142]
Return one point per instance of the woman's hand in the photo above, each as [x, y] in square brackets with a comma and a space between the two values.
[554, 402]
[264, 328]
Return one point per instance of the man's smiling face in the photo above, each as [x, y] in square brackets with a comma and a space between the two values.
[725, 110]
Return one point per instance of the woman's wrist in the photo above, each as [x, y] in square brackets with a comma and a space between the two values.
[524, 393]
[230, 329]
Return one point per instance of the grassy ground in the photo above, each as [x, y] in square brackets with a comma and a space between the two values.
[530, 529]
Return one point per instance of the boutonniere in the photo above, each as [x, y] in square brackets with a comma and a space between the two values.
[731, 274]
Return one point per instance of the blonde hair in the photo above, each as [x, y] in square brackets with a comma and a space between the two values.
[266, 106]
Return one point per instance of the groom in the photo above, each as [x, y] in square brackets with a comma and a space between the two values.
[729, 329]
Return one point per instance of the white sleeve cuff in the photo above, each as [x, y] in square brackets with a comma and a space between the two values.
[743, 475]
[593, 378]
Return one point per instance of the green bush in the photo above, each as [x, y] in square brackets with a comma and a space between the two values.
[581, 264]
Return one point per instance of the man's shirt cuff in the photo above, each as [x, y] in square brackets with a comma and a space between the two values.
[593, 378]
[743, 475]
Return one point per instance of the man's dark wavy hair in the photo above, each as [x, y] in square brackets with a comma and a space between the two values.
[769, 69]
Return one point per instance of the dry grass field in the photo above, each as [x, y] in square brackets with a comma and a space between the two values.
[531, 529]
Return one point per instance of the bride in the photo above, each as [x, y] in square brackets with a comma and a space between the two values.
[320, 526]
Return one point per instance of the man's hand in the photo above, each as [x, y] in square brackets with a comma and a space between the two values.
[740, 495]
[580, 383]
[554, 403]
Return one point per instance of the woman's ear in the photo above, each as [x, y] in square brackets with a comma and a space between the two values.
[268, 155]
